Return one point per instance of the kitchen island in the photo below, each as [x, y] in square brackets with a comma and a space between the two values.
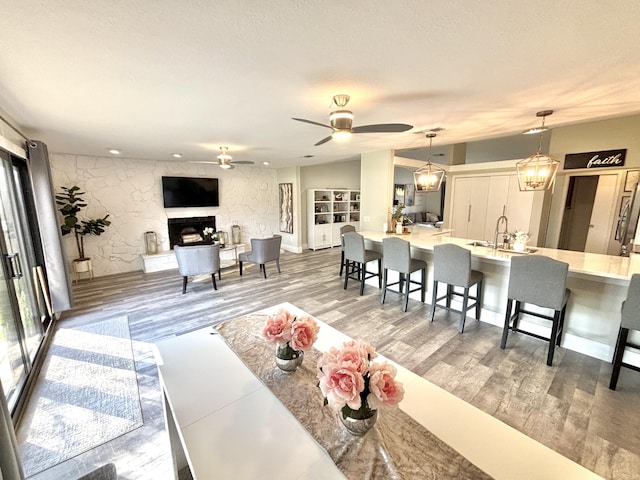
[598, 286]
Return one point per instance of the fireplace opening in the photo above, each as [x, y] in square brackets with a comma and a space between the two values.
[189, 231]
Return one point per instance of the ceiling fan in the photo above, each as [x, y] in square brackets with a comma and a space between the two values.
[226, 161]
[341, 121]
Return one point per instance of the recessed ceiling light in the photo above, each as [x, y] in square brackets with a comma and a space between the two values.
[177, 155]
[114, 151]
[266, 163]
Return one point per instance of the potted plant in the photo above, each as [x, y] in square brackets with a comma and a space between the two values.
[70, 204]
[398, 217]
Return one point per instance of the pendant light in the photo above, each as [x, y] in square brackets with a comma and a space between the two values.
[428, 178]
[538, 171]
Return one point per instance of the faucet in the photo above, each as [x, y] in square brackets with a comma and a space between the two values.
[497, 232]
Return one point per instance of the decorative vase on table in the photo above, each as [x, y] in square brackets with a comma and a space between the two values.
[291, 335]
[287, 359]
[399, 227]
[355, 387]
[519, 246]
[358, 422]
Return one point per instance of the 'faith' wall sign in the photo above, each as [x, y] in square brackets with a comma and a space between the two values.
[603, 159]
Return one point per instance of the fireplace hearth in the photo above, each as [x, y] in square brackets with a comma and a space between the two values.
[189, 231]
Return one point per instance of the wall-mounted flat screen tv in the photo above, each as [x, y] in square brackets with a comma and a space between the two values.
[190, 192]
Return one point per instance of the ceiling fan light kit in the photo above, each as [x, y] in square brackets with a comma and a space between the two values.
[537, 171]
[341, 123]
[226, 161]
[429, 177]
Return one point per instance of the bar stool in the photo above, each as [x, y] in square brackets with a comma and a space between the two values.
[396, 255]
[452, 265]
[356, 258]
[630, 321]
[344, 229]
[540, 281]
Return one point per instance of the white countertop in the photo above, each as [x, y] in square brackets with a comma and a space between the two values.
[591, 264]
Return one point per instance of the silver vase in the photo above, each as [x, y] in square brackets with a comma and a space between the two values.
[357, 422]
[287, 359]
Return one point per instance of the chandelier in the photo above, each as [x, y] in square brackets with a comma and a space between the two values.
[538, 171]
[428, 178]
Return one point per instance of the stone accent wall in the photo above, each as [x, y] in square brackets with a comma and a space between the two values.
[130, 191]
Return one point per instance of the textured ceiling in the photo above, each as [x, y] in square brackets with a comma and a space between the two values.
[154, 77]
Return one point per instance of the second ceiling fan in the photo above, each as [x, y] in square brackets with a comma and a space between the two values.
[341, 122]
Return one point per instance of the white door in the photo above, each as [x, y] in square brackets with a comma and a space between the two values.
[602, 215]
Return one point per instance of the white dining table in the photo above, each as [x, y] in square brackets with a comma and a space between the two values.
[224, 422]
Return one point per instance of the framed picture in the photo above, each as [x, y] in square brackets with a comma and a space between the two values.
[624, 205]
[286, 207]
[619, 232]
[409, 195]
[631, 181]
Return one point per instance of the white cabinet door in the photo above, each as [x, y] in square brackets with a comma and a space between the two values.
[478, 211]
[322, 236]
[519, 208]
[470, 207]
[497, 198]
[603, 211]
[461, 207]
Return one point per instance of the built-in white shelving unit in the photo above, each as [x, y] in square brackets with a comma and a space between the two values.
[327, 211]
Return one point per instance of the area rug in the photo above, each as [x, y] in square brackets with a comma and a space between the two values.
[86, 394]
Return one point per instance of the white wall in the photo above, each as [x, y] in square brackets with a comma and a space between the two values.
[130, 191]
[376, 173]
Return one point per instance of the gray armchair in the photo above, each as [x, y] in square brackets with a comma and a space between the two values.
[263, 250]
[198, 260]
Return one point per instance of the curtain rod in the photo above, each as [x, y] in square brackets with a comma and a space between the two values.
[14, 128]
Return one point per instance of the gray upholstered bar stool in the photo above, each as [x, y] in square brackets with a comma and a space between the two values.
[540, 281]
[630, 321]
[452, 265]
[356, 258]
[344, 229]
[396, 255]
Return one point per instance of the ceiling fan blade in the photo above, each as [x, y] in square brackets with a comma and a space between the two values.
[324, 140]
[241, 162]
[382, 128]
[312, 122]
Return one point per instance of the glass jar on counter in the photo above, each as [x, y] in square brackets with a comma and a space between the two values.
[150, 243]
[235, 234]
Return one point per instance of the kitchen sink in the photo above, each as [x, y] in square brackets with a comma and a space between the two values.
[481, 244]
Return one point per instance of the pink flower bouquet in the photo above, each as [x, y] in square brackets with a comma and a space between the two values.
[290, 333]
[351, 382]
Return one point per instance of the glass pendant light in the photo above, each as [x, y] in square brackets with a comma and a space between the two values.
[428, 178]
[538, 171]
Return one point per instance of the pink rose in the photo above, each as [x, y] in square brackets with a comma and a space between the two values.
[341, 384]
[304, 333]
[277, 329]
[385, 390]
[353, 355]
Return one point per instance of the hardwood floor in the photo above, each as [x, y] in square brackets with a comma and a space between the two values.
[567, 407]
